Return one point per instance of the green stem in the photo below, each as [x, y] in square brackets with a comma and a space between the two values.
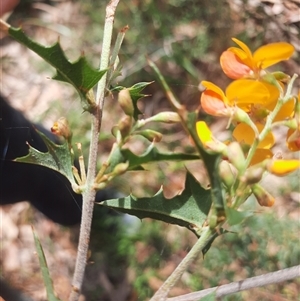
[89, 193]
[162, 293]
[270, 119]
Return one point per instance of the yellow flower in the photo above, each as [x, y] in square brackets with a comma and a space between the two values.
[241, 62]
[243, 93]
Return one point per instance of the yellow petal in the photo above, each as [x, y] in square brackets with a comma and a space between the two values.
[243, 133]
[204, 133]
[214, 88]
[244, 47]
[243, 92]
[283, 167]
[286, 111]
[272, 54]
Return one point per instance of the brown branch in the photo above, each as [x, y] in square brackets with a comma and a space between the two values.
[234, 287]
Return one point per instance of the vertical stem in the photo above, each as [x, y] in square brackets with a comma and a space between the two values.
[162, 293]
[89, 192]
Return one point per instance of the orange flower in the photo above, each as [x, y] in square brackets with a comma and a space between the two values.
[242, 93]
[241, 62]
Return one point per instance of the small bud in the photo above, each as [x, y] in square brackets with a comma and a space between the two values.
[61, 128]
[227, 173]
[151, 135]
[121, 168]
[236, 156]
[167, 117]
[125, 125]
[125, 102]
[281, 76]
[253, 174]
[263, 197]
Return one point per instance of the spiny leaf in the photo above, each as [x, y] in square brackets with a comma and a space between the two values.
[44, 268]
[58, 157]
[151, 154]
[188, 209]
[79, 73]
[135, 93]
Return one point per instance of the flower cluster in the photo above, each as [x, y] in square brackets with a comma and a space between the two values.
[255, 102]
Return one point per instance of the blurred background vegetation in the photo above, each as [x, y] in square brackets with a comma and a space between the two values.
[185, 38]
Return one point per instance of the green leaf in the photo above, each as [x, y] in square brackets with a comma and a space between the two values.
[79, 73]
[44, 268]
[58, 157]
[189, 209]
[135, 94]
[235, 217]
[151, 154]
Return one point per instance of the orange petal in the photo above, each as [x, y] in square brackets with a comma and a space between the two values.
[233, 66]
[260, 155]
[283, 167]
[293, 140]
[244, 47]
[212, 99]
[272, 54]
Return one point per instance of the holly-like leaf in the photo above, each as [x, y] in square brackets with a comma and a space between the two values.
[188, 209]
[135, 94]
[58, 157]
[151, 154]
[79, 73]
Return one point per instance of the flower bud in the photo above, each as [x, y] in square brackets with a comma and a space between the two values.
[263, 197]
[125, 102]
[236, 156]
[121, 168]
[281, 76]
[151, 135]
[61, 128]
[167, 117]
[253, 174]
[125, 125]
[227, 173]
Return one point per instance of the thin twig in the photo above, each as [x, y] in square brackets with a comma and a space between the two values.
[235, 287]
[89, 193]
[162, 293]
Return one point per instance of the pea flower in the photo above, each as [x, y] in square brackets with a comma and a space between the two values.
[242, 63]
[242, 93]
